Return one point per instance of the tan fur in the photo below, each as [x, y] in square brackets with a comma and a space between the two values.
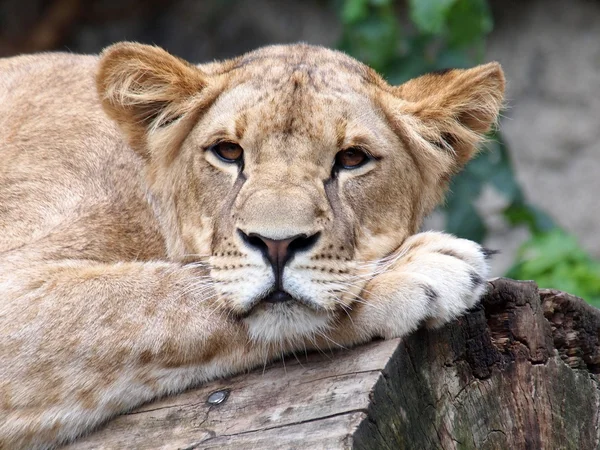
[122, 272]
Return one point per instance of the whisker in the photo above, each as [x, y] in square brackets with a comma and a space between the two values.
[316, 347]
[283, 361]
[266, 359]
[324, 336]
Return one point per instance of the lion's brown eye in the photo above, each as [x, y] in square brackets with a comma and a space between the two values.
[351, 158]
[228, 151]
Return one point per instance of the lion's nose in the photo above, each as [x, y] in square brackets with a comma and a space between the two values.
[279, 251]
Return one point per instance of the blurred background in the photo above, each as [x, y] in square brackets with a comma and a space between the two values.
[532, 194]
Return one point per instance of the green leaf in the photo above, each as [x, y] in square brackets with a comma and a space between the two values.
[430, 15]
[354, 10]
[534, 218]
[449, 58]
[462, 219]
[554, 259]
[373, 40]
[502, 175]
[469, 21]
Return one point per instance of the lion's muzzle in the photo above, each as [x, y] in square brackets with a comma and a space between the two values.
[277, 253]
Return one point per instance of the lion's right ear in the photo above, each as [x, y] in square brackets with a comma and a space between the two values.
[146, 90]
[454, 108]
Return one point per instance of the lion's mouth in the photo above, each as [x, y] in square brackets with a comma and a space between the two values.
[277, 296]
[280, 300]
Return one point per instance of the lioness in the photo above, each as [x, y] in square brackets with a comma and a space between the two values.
[163, 224]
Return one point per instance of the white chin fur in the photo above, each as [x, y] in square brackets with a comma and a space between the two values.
[287, 321]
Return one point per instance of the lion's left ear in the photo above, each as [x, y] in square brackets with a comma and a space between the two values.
[145, 89]
[453, 108]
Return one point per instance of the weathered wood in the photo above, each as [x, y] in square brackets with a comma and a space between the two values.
[518, 372]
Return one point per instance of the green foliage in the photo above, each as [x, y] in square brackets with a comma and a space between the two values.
[452, 33]
[555, 259]
[492, 166]
[443, 33]
[371, 31]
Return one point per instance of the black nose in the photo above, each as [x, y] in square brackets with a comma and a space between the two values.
[279, 251]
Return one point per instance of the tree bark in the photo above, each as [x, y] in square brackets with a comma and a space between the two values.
[518, 372]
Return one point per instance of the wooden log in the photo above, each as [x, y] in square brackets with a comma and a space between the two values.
[518, 372]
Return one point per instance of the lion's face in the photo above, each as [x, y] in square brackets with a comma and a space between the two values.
[292, 170]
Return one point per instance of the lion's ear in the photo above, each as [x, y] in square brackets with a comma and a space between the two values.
[454, 108]
[145, 89]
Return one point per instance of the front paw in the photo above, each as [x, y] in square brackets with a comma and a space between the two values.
[434, 277]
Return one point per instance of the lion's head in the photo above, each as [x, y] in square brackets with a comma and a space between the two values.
[291, 169]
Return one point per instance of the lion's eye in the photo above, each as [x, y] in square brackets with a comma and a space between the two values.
[229, 152]
[351, 158]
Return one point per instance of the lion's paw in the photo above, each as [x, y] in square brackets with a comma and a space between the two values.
[434, 277]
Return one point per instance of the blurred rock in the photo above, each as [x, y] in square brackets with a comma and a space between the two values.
[551, 54]
[204, 30]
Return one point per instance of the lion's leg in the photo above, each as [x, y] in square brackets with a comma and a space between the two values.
[82, 341]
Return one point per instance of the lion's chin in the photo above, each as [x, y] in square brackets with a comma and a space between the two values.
[285, 321]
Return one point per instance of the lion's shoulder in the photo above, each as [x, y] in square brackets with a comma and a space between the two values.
[67, 178]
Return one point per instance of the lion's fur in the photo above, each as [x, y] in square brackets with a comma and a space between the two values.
[122, 273]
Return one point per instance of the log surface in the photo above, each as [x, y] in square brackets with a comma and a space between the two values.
[520, 372]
